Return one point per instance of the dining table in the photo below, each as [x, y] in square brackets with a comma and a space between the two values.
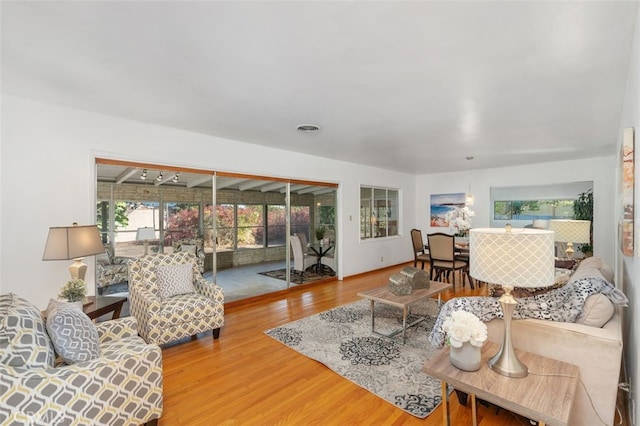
[320, 250]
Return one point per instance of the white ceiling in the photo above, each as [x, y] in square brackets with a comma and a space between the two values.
[408, 86]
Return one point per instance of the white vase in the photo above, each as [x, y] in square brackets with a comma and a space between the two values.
[467, 357]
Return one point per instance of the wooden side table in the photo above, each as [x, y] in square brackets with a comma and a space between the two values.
[546, 396]
[102, 305]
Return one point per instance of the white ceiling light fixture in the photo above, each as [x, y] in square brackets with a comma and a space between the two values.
[159, 178]
[143, 176]
[308, 128]
[175, 178]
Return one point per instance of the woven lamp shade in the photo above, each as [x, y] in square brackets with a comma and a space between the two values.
[571, 231]
[520, 258]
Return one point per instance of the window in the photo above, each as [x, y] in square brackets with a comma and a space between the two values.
[276, 225]
[250, 229]
[532, 209]
[128, 216]
[300, 220]
[379, 212]
[225, 224]
[182, 220]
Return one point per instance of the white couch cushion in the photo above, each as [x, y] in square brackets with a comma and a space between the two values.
[596, 311]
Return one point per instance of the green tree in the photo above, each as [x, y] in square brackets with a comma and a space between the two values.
[102, 217]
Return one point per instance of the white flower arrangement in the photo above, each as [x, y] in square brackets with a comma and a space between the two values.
[463, 326]
[460, 220]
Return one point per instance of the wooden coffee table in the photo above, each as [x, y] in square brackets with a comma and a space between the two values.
[102, 305]
[383, 295]
[546, 394]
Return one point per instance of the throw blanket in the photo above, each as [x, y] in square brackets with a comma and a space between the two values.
[563, 305]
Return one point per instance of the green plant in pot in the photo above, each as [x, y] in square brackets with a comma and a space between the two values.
[583, 210]
[74, 291]
[586, 249]
[320, 233]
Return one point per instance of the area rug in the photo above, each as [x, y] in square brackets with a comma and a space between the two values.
[341, 339]
[307, 277]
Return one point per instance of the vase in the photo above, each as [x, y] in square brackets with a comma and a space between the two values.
[467, 357]
[461, 241]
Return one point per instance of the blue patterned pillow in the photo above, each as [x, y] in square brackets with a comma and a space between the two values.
[74, 336]
[175, 279]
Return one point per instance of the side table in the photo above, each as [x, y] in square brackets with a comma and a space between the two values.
[546, 394]
[102, 305]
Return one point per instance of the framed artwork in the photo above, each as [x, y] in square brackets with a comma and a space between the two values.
[441, 204]
[627, 185]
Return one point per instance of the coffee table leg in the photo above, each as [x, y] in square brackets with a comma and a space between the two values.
[404, 325]
[373, 318]
[446, 421]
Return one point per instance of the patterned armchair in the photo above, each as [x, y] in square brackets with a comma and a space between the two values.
[192, 245]
[111, 269]
[122, 386]
[171, 303]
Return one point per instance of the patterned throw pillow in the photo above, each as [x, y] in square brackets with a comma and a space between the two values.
[175, 279]
[23, 336]
[74, 336]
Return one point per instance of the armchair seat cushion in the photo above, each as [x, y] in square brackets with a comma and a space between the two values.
[187, 307]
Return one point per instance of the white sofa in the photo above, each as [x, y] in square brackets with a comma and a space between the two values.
[596, 350]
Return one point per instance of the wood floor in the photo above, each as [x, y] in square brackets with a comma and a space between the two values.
[248, 378]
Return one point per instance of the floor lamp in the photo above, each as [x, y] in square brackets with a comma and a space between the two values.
[511, 258]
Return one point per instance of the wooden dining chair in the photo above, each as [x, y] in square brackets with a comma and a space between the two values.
[442, 253]
[419, 252]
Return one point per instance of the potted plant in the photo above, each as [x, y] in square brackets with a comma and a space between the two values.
[586, 249]
[319, 233]
[74, 291]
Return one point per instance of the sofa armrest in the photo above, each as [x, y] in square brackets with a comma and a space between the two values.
[117, 329]
[209, 289]
[122, 386]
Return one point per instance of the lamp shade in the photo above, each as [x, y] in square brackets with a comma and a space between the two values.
[72, 242]
[571, 231]
[144, 234]
[520, 258]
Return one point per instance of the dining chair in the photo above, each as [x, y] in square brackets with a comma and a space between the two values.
[420, 254]
[442, 253]
[301, 261]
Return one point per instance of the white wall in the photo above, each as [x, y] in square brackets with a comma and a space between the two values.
[600, 170]
[629, 267]
[48, 179]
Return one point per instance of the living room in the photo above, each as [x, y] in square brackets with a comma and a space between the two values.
[48, 179]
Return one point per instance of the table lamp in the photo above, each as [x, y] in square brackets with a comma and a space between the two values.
[73, 242]
[146, 234]
[521, 257]
[571, 231]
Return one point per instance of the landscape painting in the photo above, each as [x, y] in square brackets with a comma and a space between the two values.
[441, 204]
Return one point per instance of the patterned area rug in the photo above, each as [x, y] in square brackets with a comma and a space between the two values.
[307, 277]
[341, 339]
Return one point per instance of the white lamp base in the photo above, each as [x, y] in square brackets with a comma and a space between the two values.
[506, 362]
[78, 270]
[569, 250]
